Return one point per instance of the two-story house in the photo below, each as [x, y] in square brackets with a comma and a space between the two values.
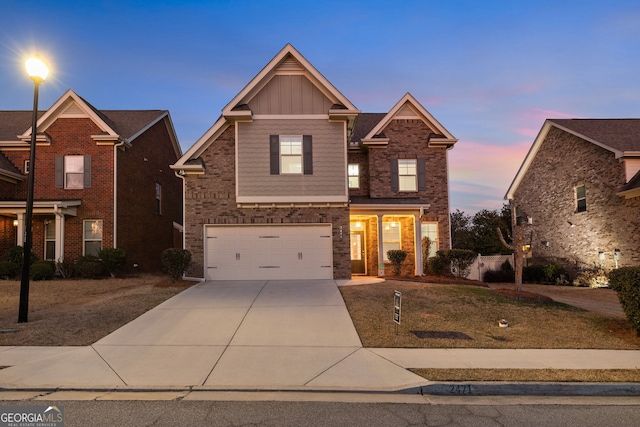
[102, 180]
[292, 181]
[579, 185]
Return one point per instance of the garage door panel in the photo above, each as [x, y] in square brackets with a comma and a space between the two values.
[269, 252]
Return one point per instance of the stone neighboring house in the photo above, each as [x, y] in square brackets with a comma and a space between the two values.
[102, 180]
[579, 186]
[293, 181]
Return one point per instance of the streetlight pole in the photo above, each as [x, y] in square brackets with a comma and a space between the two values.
[37, 71]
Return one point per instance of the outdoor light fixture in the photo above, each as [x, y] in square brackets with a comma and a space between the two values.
[15, 222]
[37, 71]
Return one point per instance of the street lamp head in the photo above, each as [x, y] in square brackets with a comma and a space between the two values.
[36, 69]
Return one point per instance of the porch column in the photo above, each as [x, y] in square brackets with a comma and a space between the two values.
[59, 250]
[20, 230]
[418, 243]
[380, 249]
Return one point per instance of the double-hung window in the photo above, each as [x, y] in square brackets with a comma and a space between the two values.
[291, 154]
[158, 198]
[354, 175]
[390, 237]
[73, 172]
[92, 236]
[407, 175]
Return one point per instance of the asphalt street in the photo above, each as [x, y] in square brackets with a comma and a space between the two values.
[354, 410]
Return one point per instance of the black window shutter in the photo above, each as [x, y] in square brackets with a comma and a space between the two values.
[87, 171]
[274, 154]
[422, 175]
[307, 154]
[395, 185]
[59, 171]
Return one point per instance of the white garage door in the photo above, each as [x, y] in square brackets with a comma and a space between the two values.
[257, 252]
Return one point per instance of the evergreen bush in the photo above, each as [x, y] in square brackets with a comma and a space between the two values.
[113, 259]
[175, 262]
[8, 270]
[626, 282]
[42, 270]
[89, 267]
[397, 257]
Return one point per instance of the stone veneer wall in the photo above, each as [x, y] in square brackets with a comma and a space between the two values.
[210, 199]
[547, 194]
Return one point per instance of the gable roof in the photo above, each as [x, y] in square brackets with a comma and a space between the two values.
[619, 136]
[631, 188]
[116, 125]
[409, 108]
[287, 61]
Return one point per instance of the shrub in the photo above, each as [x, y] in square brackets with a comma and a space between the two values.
[426, 244]
[626, 282]
[506, 266]
[8, 270]
[113, 259]
[499, 276]
[456, 261]
[593, 278]
[66, 268]
[89, 267]
[397, 257]
[15, 255]
[175, 262]
[439, 265]
[542, 273]
[42, 270]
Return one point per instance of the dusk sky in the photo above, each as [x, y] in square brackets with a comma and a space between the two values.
[490, 71]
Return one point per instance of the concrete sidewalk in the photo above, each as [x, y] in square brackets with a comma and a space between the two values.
[262, 335]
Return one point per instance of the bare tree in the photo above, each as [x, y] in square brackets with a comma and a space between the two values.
[518, 246]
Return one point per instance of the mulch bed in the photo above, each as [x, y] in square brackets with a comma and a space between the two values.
[441, 280]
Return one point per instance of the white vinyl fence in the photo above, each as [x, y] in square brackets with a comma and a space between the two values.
[487, 262]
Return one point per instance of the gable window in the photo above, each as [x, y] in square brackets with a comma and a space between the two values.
[581, 199]
[407, 175]
[73, 172]
[390, 237]
[158, 198]
[354, 175]
[92, 236]
[291, 154]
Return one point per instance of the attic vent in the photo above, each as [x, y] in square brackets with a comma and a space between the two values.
[406, 112]
[73, 110]
[290, 64]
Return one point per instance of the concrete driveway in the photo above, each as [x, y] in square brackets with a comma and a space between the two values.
[227, 335]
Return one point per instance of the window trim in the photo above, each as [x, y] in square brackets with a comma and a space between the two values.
[26, 166]
[47, 227]
[356, 176]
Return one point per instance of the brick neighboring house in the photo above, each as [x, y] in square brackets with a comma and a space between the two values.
[580, 185]
[102, 180]
[292, 181]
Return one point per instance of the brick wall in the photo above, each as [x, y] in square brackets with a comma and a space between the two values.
[71, 136]
[547, 195]
[210, 199]
[143, 233]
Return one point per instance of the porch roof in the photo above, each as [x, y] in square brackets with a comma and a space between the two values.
[66, 207]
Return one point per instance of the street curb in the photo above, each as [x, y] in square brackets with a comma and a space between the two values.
[527, 389]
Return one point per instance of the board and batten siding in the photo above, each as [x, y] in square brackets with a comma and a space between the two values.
[290, 94]
[329, 151]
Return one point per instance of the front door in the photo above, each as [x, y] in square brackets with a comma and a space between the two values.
[357, 252]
